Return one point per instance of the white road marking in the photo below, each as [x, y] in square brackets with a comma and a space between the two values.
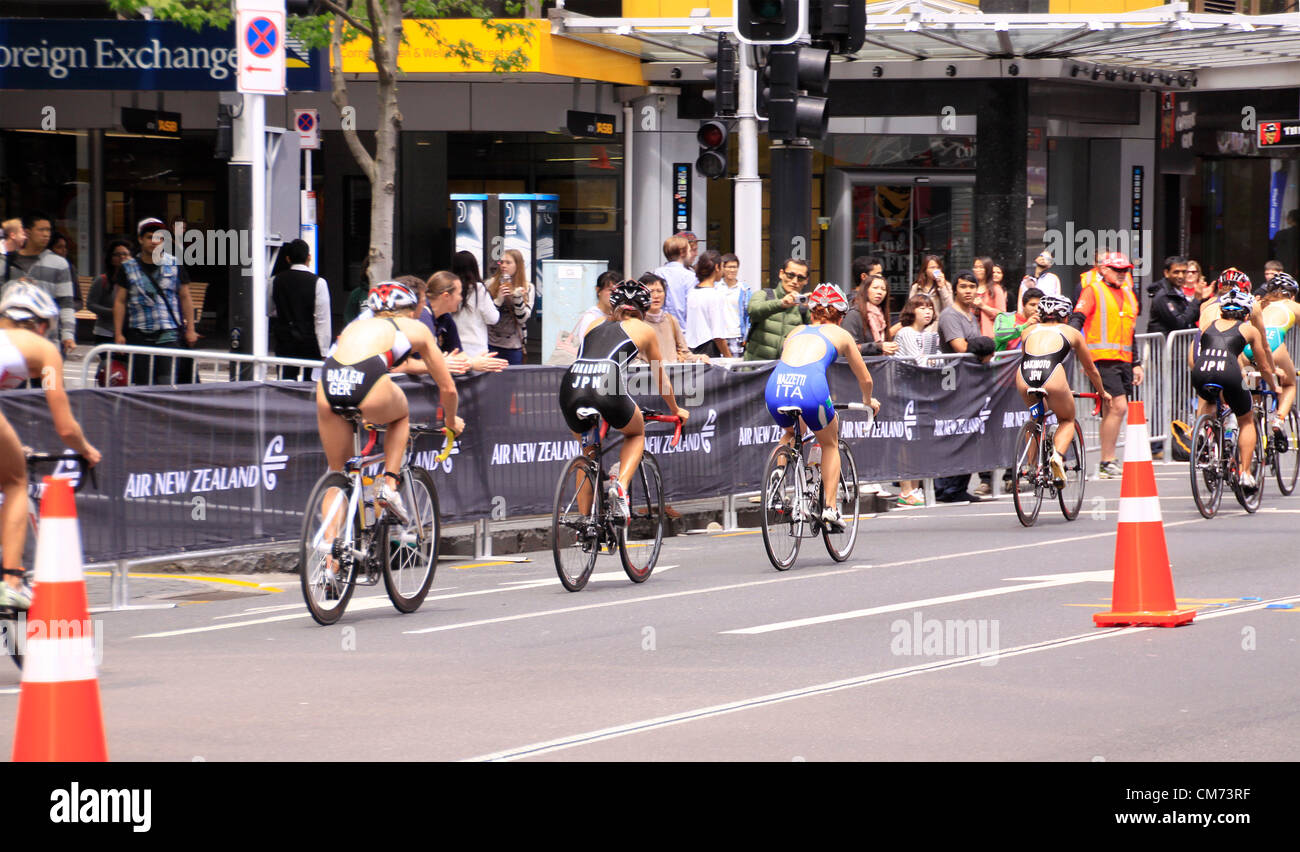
[600, 576]
[549, 746]
[1057, 580]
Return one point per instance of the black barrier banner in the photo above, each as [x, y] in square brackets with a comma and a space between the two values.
[211, 466]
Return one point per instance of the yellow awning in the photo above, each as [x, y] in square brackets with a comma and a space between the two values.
[543, 53]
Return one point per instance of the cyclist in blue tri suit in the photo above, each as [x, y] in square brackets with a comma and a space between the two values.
[800, 379]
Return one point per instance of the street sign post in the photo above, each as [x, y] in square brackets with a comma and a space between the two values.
[307, 121]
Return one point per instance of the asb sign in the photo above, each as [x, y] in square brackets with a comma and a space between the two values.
[259, 38]
[1279, 134]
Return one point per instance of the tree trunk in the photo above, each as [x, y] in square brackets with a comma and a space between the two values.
[386, 16]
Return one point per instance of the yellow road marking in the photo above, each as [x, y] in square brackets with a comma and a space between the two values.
[746, 532]
[193, 578]
[482, 565]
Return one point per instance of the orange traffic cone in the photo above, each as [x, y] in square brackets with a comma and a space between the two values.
[1143, 591]
[59, 715]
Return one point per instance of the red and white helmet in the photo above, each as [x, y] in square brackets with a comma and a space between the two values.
[390, 296]
[1233, 277]
[828, 296]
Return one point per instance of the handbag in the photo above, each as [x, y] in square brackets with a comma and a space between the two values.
[567, 347]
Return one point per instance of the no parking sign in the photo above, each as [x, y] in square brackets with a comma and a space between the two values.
[259, 36]
[307, 122]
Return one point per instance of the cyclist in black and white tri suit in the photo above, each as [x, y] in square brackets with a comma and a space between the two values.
[597, 379]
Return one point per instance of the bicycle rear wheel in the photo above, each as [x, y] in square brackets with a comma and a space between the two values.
[412, 556]
[1206, 464]
[781, 497]
[1251, 500]
[1028, 459]
[1076, 477]
[645, 496]
[847, 499]
[575, 530]
[326, 566]
[1286, 464]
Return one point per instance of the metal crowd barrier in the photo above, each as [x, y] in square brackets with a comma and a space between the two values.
[204, 365]
[1181, 400]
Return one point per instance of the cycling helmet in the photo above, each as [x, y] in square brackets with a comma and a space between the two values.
[632, 294]
[1284, 283]
[391, 296]
[1055, 306]
[1236, 303]
[828, 296]
[24, 300]
[1233, 277]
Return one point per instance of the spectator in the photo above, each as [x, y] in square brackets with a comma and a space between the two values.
[477, 311]
[1010, 329]
[1106, 313]
[59, 245]
[672, 343]
[440, 299]
[299, 308]
[601, 311]
[930, 281]
[1170, 309]
[1271, 269]
[772, 317]
[513, 295]
[916, 340]
[693, 248]
[102, 293]
[1286, 242]
[736, 304]
[48, 271]
[679, 277]
[1194, 281]
[868, 317]
[356, 300]
[706, 321]
[15, 236]
[959, 331]
[1041, 278]
[990, 298]
[152, 307]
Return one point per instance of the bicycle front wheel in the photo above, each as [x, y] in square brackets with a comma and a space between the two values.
[412, 556]
[646, 503]
[847, 499]
[325, 562]
[1206, 464]
[1286, 463]
[1251, 500]
[781, 500]
[1026, 484]
[1076, 477]
[575, 530]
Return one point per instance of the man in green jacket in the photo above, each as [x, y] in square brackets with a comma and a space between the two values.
[771, 319]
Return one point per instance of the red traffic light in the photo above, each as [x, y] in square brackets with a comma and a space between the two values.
[712, 134]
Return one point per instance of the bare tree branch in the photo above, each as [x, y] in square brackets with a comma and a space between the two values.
[340, 98]
[342, 12]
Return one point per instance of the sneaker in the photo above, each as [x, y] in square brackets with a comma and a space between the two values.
[774, 501]
[386, 497]
[832, 520]
[618, 502]
[1058, 466]
[915, 497]
[983, 489]
[16, 598]
[1110, 470]
[1248, 482]
[1279, 437]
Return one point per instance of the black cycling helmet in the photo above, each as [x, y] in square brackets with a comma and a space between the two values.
[634, 294]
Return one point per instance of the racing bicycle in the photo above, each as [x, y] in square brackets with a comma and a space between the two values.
[1033, 479]
[349, 541]
[583, 524]
[1213, 461]
[792, 496]
[1282, 456]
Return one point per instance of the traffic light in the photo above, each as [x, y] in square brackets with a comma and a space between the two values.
[792, 72]
[838, 25]
[712, 161]
[724, 74]
[770, 21]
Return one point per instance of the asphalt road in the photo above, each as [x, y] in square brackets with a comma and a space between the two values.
[950, 634]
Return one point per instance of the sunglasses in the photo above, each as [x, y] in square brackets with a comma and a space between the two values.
[794, 276]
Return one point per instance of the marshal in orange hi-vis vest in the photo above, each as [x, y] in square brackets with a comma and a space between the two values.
[1108, 330]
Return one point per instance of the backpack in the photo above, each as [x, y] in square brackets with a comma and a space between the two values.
[1180, 440]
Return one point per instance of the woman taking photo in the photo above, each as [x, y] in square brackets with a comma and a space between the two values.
[513, 295]
[868, 318]
[930, 281]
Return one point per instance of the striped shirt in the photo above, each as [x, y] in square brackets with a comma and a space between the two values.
[53, 275]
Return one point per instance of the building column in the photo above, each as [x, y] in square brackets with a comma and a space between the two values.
[1001, 197]
[661, 141]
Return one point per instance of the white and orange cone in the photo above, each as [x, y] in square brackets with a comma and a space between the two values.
[59, 714]
[1143, 590]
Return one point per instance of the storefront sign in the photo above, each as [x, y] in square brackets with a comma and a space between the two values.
[152, 121]
[1177, 134]
[1279, 134]
[1136, 212]
[681, 197]
[593, 125]
[136, 56]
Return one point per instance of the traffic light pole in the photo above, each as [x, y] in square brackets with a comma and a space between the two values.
[791, 218]
[748, 237]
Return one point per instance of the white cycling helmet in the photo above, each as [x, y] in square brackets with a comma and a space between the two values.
[1052, 305]
[1236, 302]
[24, 300]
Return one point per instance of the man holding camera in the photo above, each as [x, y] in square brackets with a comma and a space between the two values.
[772, 316]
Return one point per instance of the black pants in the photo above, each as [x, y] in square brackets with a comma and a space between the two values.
[154, 369]
[951, 486]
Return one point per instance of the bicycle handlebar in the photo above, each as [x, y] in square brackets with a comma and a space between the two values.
[1095, 397]
[665, 418]
[448, 443]
[857, 406]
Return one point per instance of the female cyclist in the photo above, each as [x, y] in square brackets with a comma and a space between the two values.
[1280, 311]
[800, 379]
[355, 375]
[26, 312]
[1046, 346]
[597, 379]
[1214, 362]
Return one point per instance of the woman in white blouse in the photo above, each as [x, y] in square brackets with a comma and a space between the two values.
[477, 311]
[706, 313]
